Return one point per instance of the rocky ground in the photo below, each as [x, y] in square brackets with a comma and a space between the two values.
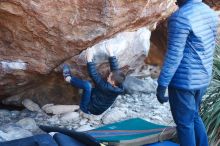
[17, 124]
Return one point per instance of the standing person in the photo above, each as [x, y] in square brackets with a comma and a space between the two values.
[187, 68]
[99, 99]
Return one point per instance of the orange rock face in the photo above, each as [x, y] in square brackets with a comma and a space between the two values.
[158, 45]
[215, 4]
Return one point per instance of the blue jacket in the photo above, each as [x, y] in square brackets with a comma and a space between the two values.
[192, 32]
[104, 94]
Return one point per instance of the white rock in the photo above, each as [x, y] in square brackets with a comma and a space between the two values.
[83, 122]
[113, 115]
[96, 117]
[30, 105]
[27, 124]
[95, 123]
[119, 97]
[14, 65]
[15, 113]
[85, 115]
[134, 85]
[84, 128]
[135, 96]
[91, 117]
[71, 116]
[4, 113]
[124, 105]
[47, 105]
[59, 109]
[128, 42]
[117, 103]
[13, 132]
[130, 100]
[54, 120]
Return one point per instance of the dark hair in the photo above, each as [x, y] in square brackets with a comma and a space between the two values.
[180, 2]
[118, 77]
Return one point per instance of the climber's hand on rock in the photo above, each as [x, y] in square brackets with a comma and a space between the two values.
[109, 49]
[161, 90]
[89, 54]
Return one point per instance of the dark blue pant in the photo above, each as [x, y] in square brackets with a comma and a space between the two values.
[58, 139]
[87, 89]
[37, 140]
[185, 110]
[64, 140]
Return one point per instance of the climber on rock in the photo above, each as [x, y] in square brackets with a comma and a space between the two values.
[187, 68]
[97, 100]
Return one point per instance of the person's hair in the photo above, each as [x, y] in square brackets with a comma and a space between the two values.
[118, 77]
[180, 2]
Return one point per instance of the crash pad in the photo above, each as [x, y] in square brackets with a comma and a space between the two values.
[164, 143]
[134, 131]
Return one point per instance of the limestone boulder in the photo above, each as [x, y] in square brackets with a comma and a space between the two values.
[12, 132]
[136, 85]
[37, 36]
[71, 116]
[115, 114]
[30, 105]
[27, 124]
[59, 109]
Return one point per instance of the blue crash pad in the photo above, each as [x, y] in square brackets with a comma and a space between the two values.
[164, 143]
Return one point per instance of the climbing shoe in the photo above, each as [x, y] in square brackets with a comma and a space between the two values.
[66, 70]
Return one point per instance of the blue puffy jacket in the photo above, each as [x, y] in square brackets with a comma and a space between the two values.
[104, 94]
[192, 32]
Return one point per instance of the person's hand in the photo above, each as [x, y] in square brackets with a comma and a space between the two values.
[161, 90]
[109, 49]
[89, 54]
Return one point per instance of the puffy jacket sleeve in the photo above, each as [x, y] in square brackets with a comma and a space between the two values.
[178, 31]
[100, 82]
[113, 63]
[93, 73]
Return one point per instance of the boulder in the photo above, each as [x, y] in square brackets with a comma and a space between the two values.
[114, 115]
[83, 122]
[28, 124]
[4, 113]
[84, 128]
[130, 48]
[12, 132]
[36, 37]
[71, 116]
[134, 85]
[30, 105]
[59, 109]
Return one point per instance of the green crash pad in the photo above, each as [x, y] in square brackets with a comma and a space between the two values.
[132, 132]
